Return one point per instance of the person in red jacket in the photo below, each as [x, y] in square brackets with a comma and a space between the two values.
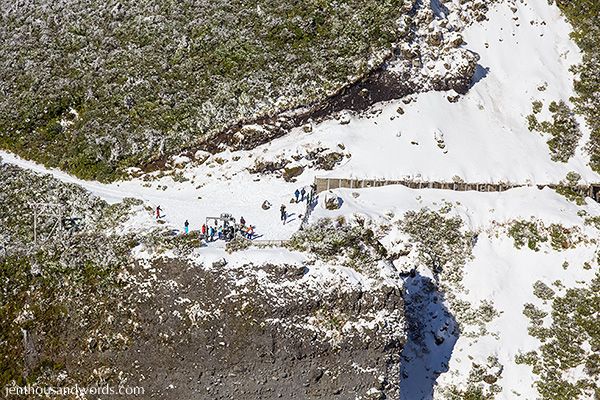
[158, 210]
[204, 230]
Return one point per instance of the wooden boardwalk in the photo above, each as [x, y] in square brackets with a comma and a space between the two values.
[324, 184]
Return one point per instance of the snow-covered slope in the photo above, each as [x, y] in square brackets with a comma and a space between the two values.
[500, 274]
[474, 321]
[485, 132]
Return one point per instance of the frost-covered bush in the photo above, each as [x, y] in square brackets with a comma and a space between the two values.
[570, 342]
[20, 189]
[526, 233]
[481, 383]
[542, 291]
[563, 129]
[440, 243]
[352, 243]
[238, 243]
[68, 301]
[534, 233]
[568, 186]
[584, 16]
[94, 87]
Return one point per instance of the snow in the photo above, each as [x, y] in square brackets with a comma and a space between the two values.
[204, 196]
[506, 275]
[499, 272]
[486, 140]
[485, 132]
[477, 209]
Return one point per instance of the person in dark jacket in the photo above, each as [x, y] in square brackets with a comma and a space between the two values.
[283, 213]
[297, 194]
[186, 227]
[158, 210]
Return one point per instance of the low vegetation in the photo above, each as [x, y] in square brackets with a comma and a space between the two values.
[584, 16]
[353, 244]
[53, 306]
[95, 87]
[535, 233]
[481, 383]
[563, 130]
[568, 188]
[441, 244]
[571, 342]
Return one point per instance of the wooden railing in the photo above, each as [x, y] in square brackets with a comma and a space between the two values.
[324, 184]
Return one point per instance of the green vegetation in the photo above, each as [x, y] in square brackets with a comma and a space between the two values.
[533, 233]
[238, 243]
[568, 188]
[54, 305]
[526, 233]
[564, 129]
[440, 243]
[584, 16]
[571, 341]
[481, 384]
[95, 87]
[355, 245]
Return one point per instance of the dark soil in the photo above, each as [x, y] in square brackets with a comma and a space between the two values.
[253, 343]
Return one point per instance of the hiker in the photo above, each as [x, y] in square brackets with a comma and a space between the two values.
[204, 230]
[220, 232]
[186, 227]
[250, 232]
[302, 194]
[228, 233]
[297, 194]
[242, 221]
[212, 234]
[283, 213]
[158, 210]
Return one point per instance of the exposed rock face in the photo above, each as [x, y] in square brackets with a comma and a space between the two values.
[221, 335]
[97, 312]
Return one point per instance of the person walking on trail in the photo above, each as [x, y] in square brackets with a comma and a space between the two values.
[212, 234]
[220, 232]
[186, 227]
[242, 221]
[158, 210]
[283, 213]
[204, 230]
[250, 232]
[302, 194]
[297, 194]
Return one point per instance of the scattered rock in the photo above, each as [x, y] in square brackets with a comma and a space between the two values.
[289, 174]
[332, 201]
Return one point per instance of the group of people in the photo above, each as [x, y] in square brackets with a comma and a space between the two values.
[225, 231]
[299, 195]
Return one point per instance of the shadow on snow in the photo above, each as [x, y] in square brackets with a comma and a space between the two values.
[432, 333]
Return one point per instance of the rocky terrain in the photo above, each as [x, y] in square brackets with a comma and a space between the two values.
[100, 307]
